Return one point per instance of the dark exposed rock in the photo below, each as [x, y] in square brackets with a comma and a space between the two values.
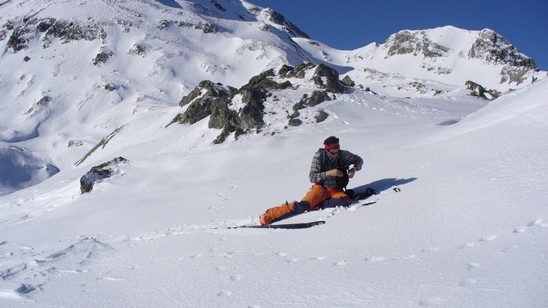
[197, 111]
[67, 31]
[204, 89]
[75, 143]
[100, 172]
[138, 49]
[19, 39]
[264, 82]
[63, 30]
[284, 70]
[295, 122]
[494, 48]
[205, 99]
[511, 74]
[295, 72]
[44, 101]
[205, 27]
[316, 98]
[288, 27]
[321, 116]
[480, 91]
[111, 87]
[40, 106]
[251, 115]
[222, 117]
[328, 79]
[408, 42]
[241, 111]
[102, 57]
[348, 81]
[44, 24]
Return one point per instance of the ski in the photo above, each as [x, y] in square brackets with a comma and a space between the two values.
[297, 225]
[367, 203]
[356, 197]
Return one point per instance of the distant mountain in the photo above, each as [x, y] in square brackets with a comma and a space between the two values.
[445, 55]
[101, 65]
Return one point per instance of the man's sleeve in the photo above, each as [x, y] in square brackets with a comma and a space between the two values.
[316, 175]
[353, 159]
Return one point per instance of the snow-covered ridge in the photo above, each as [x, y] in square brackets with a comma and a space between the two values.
[466, 227]
[99, 65]
[470, 206]
[446, 55]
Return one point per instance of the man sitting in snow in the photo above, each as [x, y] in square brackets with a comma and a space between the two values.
[329, 173]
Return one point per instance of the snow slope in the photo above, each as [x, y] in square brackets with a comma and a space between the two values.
[60, 99]
[467, 229]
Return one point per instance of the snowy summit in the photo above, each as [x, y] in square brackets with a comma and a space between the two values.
[134, 135]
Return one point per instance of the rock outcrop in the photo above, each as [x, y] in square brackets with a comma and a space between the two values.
[240, 111]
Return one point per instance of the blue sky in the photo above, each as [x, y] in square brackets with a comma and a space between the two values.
[349, 24]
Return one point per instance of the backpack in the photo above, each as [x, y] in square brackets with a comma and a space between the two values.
[341, 182]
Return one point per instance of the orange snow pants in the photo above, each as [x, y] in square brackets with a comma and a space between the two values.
[318, 197]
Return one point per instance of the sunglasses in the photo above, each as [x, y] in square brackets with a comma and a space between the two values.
[333, 152]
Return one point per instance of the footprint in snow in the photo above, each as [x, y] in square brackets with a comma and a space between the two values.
[472, 266]
[466, 245]
[113, 279]
[224, 293]
[468, 282]
[535, 223]
[429, 302]
[341, 263]
[375, 259]
[519, 230]
[236, 277]
[229, 254]
[488, 238]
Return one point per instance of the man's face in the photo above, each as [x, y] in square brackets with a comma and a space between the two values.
[332, 153]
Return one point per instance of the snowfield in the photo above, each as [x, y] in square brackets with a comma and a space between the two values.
[467, 228]
[460, 217]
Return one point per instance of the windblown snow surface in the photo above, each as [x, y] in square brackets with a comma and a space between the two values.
[468, 227]
[461, 214]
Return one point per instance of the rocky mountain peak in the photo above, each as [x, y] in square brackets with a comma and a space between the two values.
[493, 47]
[414, 42]
[441, 42]
[290, 28]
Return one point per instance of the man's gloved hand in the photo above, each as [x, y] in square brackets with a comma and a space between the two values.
[334, 172]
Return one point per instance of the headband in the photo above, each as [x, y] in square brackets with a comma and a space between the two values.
[331, 146]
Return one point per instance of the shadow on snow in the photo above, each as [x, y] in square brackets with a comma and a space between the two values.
[384, 184]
